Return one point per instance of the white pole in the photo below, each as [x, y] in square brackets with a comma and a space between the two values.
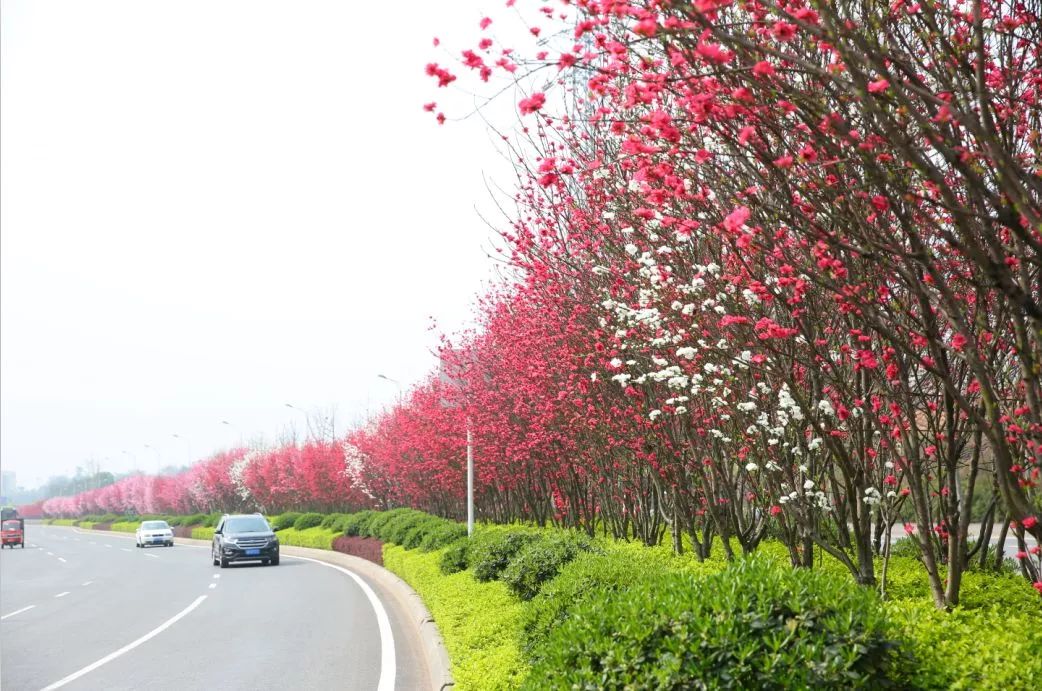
[470, 482]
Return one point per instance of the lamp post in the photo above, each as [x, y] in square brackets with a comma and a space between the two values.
[395, 382]
[307, 418]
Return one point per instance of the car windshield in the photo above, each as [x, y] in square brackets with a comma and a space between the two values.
[12, 525]
[154, 525]
[246, 524]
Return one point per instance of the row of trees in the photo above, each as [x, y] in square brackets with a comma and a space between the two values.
[776, 270]
[311, 477]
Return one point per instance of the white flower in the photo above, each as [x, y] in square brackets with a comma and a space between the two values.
[825, 406]
[654, 415]
[686, 352]
[631, 248]
[615, 363]
[751, 467]
[809, 484]
[746, 406]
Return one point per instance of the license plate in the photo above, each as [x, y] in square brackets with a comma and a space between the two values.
[252, 552]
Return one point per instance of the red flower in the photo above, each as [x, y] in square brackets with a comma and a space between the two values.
[783, 31]
[1029, 522]
[485, 21]
[775, 510]
[533, 103]
[1037, 586]
[878, 86]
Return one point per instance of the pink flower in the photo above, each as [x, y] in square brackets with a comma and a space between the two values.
[1021, 555]
[783, 31]
[775, 510]
[1037, 586]
[763, 69]
[533, 103]
[958, 341]
[737, 218]
[485, 22]
[878, 86]
[784, 161]
[1029, 522]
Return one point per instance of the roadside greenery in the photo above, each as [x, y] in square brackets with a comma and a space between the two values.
[526, 607]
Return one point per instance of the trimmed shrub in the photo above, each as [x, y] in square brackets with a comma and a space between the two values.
[754, 625]
[377, 524]
[590, 577]
[442, 535]
[491, 552]
[315, 537]
[330, 520]
[416, 535]
[286, 520]
[357, 524]
[308, 520]
[194, 519]
[211, 520]
[540, 560]
[395, 529]
[454, 559]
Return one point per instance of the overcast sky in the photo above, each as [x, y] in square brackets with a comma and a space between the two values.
[212, 209]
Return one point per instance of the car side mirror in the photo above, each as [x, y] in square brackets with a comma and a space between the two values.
[217, 532]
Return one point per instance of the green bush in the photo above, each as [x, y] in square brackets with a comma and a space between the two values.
[286, 520]
[419, 532]
[540, 560]
[454, 558]
[315, 537]
[203, 533]
[395, 529]
[308, 520]
[194, 519]
[491, 552]
[357, 524]
[478, 621]
[753, 625]
[442, 535]
[377, 524]
[592, 576]
[331, 520]
[211, 520]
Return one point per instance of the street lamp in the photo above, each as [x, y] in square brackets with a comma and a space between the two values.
[395, 382]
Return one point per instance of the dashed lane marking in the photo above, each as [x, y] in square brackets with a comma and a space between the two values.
[125, 549]
[17, 611]
[152, 555]
[85, 583]
[61, 559]
[62, 594]
[212, 586]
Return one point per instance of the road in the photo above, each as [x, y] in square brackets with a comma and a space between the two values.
[88, 610]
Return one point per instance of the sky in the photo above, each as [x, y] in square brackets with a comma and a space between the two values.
[209, 210]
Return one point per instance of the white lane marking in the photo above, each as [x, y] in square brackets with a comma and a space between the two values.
[108, 545]
[387, 659]
[212, 586]
[129, 646]
[50, 554]
[86, 583]
[17, 611]
[125, 549]
[61, 559]
[62, 594]
[152, 555]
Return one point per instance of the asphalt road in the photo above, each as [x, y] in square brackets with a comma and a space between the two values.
[166, 618]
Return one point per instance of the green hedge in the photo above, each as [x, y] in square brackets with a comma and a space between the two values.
[308, 520]
[754, 625]
[286, 520]
[202, 533]
[316, 537]
[478, 621]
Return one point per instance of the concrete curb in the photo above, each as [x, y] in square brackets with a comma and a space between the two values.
[438, 666]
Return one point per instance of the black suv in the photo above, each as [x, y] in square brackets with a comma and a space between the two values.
[244, 537]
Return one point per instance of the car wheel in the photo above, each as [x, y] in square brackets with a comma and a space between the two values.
[264, 562]
[275, 561]
[213, 557]
[224, 562]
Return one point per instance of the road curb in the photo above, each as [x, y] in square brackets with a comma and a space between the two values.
[437, 657]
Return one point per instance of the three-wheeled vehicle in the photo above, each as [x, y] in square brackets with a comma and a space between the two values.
[12, 532]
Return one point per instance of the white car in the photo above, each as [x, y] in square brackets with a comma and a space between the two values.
[154, 533]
